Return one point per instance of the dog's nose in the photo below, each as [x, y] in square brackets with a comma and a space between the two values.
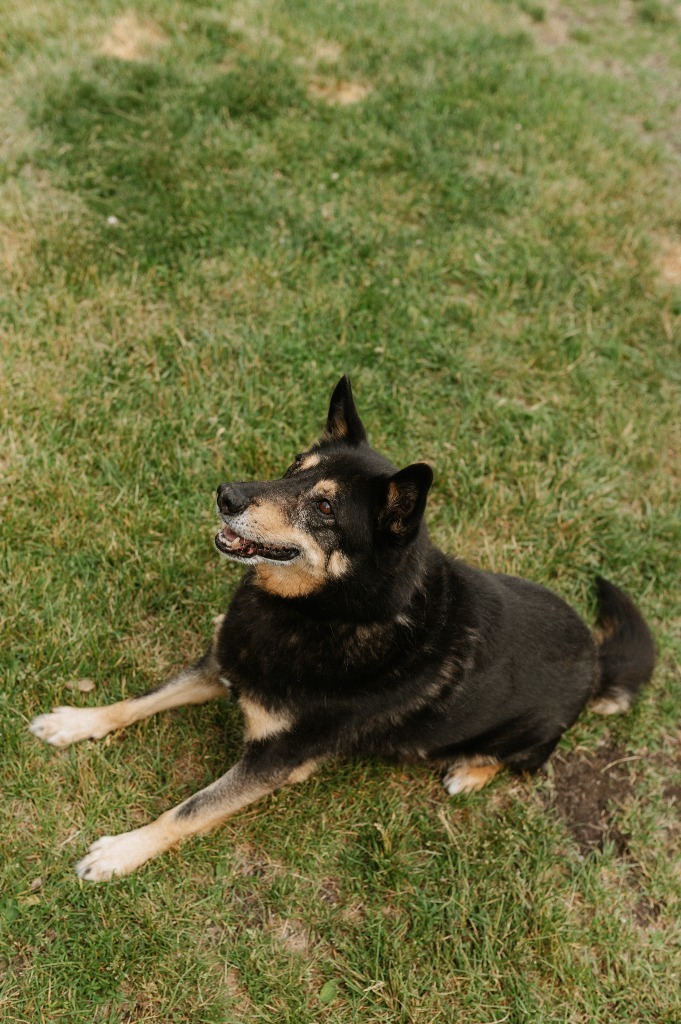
[231, 499]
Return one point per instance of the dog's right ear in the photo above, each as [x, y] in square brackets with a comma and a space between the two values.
[343, 422]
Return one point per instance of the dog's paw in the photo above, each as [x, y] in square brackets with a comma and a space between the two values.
[111, 856]
[64, 726]
[465, 778]
[615, 702]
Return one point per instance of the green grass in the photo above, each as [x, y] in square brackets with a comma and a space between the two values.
[487, 240]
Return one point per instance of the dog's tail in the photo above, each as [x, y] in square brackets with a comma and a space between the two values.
[626, 650]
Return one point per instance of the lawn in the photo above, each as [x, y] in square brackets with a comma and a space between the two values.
[208, 212]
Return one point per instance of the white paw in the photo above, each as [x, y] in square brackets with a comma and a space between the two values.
[616, 704]
[68, 725]
[457, 781]
[116, 855]
[464, 778]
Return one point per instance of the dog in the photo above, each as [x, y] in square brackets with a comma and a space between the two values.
[352, 635]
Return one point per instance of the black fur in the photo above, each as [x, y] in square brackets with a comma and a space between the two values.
[626, 652]
[352, 635]
[411, 654]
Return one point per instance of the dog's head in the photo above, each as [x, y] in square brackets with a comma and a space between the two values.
[340, 510]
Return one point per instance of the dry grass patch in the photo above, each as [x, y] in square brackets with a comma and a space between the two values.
[237, 991]
[326, 51]
[133, 38]
[12, 250]
[668, 261]
[30, 206]
[293, 935]
[337, 92]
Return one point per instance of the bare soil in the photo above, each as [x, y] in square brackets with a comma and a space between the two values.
[587, 789]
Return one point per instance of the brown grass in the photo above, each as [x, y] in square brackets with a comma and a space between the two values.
[338, 92]
[133, 38]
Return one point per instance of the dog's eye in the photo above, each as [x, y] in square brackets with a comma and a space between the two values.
[324, 507]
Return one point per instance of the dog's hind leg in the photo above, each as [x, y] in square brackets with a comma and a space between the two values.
[469, 774]
[197, 684]
[532, 758]
[249, 780]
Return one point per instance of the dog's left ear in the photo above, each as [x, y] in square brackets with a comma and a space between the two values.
[343, 422]
[405, 500]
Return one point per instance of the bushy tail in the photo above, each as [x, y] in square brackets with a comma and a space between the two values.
[626, 650]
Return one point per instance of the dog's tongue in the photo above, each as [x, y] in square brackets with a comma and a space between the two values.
[228, 534]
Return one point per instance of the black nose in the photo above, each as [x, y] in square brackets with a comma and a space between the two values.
[231, 499]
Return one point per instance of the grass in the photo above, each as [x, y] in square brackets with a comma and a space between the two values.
[208, 212]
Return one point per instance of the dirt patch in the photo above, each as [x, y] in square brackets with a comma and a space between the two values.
[337, 92]
[587, 789]
[133, 38]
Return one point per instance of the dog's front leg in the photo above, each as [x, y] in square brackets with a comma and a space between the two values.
[197, 684]
[253, 777]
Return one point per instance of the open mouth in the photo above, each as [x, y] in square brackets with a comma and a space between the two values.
[230, 543]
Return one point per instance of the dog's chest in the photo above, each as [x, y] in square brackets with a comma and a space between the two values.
[277, 661]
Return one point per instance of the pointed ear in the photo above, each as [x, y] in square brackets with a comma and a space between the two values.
[343, 422]
[405, 500]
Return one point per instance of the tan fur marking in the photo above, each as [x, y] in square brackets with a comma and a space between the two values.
[261, 723]
[326, 488]
[309, 462]
[266, 523]
[470, 774]
[268, 518]
[287, 581]
[299, 578]
[217, 623]
[303, 771]
[338, 564]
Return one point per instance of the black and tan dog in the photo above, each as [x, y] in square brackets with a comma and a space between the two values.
[352, 635]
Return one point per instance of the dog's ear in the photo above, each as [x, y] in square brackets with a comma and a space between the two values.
[404, 501]
[343, 422]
